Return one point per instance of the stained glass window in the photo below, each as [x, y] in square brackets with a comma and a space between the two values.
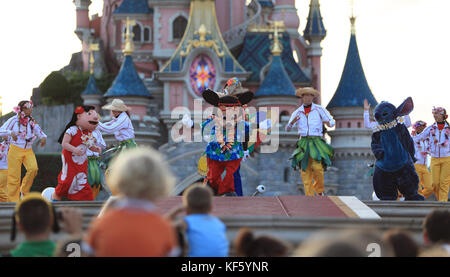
[202, 74]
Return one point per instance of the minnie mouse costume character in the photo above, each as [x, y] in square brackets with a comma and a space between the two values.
[227, 146]
[394, 150]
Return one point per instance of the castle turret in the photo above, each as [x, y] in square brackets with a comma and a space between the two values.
[92, 95]
[350, 140]
[314, 33]
[286, 11]
[82, 9]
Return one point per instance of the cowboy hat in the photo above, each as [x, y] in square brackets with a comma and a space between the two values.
[233, 94]
[308, 90]
[116, 105]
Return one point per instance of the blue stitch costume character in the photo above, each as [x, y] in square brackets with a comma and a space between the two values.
[394, 150]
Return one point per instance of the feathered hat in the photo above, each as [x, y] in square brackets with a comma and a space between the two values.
[233, 94]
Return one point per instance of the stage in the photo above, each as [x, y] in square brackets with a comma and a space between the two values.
[283, 206]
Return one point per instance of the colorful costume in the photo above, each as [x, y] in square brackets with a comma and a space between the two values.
[4, 146]
[422, 148]
[312, 154]
[20, 153]
[394, 150]
[72, 181]
[94, 172]
[121, 127]
[437, 135]
[226, 150]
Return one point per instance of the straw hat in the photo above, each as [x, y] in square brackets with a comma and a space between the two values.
[308, 90]
[116, 105]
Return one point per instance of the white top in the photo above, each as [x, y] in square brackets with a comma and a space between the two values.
[421, 148]
[99, 142]
[4, 146]
[441, 147]
[311, 125]
[25, 136]
[121, 127]
[371, 124]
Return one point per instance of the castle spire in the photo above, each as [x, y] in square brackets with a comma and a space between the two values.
[315, 29]
[92, 47]
[277, 48]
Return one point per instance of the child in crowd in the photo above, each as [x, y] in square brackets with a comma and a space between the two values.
[402, 243]
[422, 153]
[438, 137]
[205, 233]
[436, 229]
[249, 245]
[131, 226]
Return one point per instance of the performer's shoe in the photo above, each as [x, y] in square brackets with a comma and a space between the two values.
[232, 193]
[322, 194]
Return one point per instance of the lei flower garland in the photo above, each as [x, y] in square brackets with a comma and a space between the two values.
[3, 147]
[88, 140]
[24, 120]
[386, 126]
[446, 135]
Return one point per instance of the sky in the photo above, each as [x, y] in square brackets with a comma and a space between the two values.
[404, 47]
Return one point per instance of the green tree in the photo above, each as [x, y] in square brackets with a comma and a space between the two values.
[55, 89]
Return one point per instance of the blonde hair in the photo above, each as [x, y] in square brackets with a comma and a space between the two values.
[141, 173]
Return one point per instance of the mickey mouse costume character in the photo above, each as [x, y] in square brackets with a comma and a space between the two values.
[227, 146]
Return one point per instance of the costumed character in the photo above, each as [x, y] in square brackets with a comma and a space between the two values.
[394, 150]
[94, 173]
[76, 139]
[20, 150]
[120, 126]
[422, 148]
[228, 140]
[438, 136]
[312, 154]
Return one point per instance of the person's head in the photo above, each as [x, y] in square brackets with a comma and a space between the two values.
[35, 217]
[307, 95]
[140, 173]
[84, 116]
[436, 227]
[198, 199]
[116, 107]
[419, 126]
[25, 107]
[325, 244]
[402, 243]
[439, 114]
[247, 244]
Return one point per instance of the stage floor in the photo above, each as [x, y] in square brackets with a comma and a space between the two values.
[288, 206]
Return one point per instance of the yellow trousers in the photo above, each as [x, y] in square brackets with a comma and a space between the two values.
[312, 178]
[425, 182]
[440, 171]
[3, 191]
[16, 158]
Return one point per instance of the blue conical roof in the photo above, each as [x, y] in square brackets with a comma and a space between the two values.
[133, 7]
[314, 25]
[91, 88]
[128, 82]
[353, 87]
[276, 81]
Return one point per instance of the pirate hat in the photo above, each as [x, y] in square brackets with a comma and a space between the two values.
[233, 94]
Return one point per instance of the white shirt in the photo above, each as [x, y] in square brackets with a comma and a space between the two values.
[421, 147]
[371, 124]
[13, 125]
[99, 142]
[121, 127]
[4, 146]
[437, 149]
[311, 125]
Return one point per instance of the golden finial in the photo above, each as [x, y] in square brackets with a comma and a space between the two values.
[352, 17]
[129, 46]
[277, 48]
[92, 47]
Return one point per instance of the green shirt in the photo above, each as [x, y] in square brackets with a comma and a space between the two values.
[34, 249]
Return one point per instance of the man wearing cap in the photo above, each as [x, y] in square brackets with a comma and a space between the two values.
[228, 137]
[312, 152]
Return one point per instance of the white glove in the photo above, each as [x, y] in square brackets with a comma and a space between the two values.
[265, 125]
[246, 155]
[187, 121]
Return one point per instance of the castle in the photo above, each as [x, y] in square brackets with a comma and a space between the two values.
[181, 47]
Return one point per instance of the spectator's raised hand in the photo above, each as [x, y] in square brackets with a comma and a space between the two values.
[73, 220]
[366, 105]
